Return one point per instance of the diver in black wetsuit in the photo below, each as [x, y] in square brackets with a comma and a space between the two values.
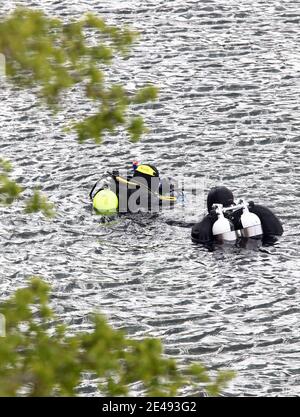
[139, 190]
[221, 198]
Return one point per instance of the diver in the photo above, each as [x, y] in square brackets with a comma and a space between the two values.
[140, 189]
[229, 221]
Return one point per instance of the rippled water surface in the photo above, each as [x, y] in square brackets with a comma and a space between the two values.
[228, 112]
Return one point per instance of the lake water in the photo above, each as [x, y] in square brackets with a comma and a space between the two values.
[228, 113]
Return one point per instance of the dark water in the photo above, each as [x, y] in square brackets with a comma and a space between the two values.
[228, 73]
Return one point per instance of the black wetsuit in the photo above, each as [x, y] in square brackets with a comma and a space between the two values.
[149, 192]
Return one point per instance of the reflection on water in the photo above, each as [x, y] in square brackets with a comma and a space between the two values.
[228, 112]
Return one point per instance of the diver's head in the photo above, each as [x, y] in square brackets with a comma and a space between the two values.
[149, 173]
[219, 195]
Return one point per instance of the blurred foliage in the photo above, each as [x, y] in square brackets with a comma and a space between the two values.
[38, 202]
[40, 357]
[52, 57]
[10, 190]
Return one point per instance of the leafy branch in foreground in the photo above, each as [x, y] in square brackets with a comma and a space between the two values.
[11, 190]
[53, 57]
[40, 358]
[39, 202]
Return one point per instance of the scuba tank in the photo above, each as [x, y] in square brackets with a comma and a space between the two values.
[251, 224]
[248, 224]
[223, 229]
